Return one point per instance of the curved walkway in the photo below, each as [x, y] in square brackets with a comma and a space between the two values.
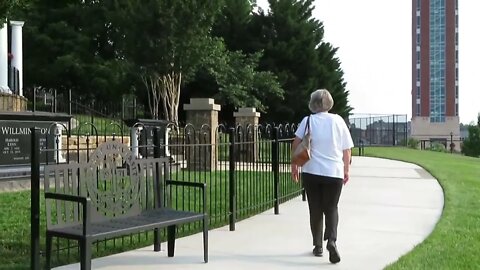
[386, 209]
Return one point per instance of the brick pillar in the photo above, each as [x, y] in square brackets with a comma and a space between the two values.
[201, 111]
[247, 118]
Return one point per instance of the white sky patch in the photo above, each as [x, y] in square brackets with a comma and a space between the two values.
[374, 41]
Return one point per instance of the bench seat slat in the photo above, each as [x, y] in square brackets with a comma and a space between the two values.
[121, 226]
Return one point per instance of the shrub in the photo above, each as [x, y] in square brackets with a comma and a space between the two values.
[437, 147]
[413, 143]
[471, 145]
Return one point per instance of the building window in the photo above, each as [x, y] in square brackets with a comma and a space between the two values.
[437, 61]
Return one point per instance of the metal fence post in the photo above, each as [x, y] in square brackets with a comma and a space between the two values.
[55, 101]
[123, 107]
[233, 195]
[34, 102]
[158, 200]
[394, 131]
[156, 142]
[70, 102]
[35, 200]
[275, 169]
[134, 108]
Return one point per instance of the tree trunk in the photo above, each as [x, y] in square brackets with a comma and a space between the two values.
[164, 89]
[170, 93]
[152, 83]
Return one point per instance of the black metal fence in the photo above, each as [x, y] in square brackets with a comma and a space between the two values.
[246, 169]
[106, 118]
[381, 130]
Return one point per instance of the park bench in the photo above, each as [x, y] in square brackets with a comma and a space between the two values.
[115, 194]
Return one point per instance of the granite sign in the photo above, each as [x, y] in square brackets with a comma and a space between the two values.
[15, 141]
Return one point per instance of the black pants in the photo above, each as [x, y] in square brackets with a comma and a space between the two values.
[323, 194]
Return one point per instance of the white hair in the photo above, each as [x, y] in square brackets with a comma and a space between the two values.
[320, 101]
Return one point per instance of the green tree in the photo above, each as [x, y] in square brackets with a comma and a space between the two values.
[238, 80]
[5, 6]
[471, 145]
[331, 78]
[68, 50]
[233, 24]
[172, 46]
[166, 42]
[292, 42]
[231, 74]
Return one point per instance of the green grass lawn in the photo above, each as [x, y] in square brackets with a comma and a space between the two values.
[104, 126]
[455, 241]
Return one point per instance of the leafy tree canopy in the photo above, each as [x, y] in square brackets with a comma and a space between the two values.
[238, 80]
[67, 50]
[295, 51]
[292, 46]
[163, 36]
[226, 48]
[471, 145]
[5, 6]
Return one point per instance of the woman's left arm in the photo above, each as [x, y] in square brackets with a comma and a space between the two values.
[347, 145]
[347, 155]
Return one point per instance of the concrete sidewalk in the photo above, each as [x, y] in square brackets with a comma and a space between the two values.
[386, 209]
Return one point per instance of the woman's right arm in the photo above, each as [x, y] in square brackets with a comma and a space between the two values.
[299, 133]
[294, 168]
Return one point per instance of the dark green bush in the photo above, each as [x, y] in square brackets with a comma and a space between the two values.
[471, 145]
[413, 143]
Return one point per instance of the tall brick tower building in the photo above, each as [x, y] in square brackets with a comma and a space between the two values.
[435, 71]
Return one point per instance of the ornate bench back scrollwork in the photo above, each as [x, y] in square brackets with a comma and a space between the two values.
[116, 182]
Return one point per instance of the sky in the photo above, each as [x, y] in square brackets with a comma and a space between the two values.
[373, 38]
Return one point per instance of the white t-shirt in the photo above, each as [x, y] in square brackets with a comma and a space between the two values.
[329, 137]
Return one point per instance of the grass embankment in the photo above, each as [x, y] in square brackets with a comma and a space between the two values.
[455, 241]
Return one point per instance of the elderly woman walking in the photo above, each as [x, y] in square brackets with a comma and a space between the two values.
[327, 170]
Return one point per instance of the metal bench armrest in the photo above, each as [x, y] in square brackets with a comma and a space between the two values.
[84, 201]
[188, 184]
[66, 197]
[202, 186]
